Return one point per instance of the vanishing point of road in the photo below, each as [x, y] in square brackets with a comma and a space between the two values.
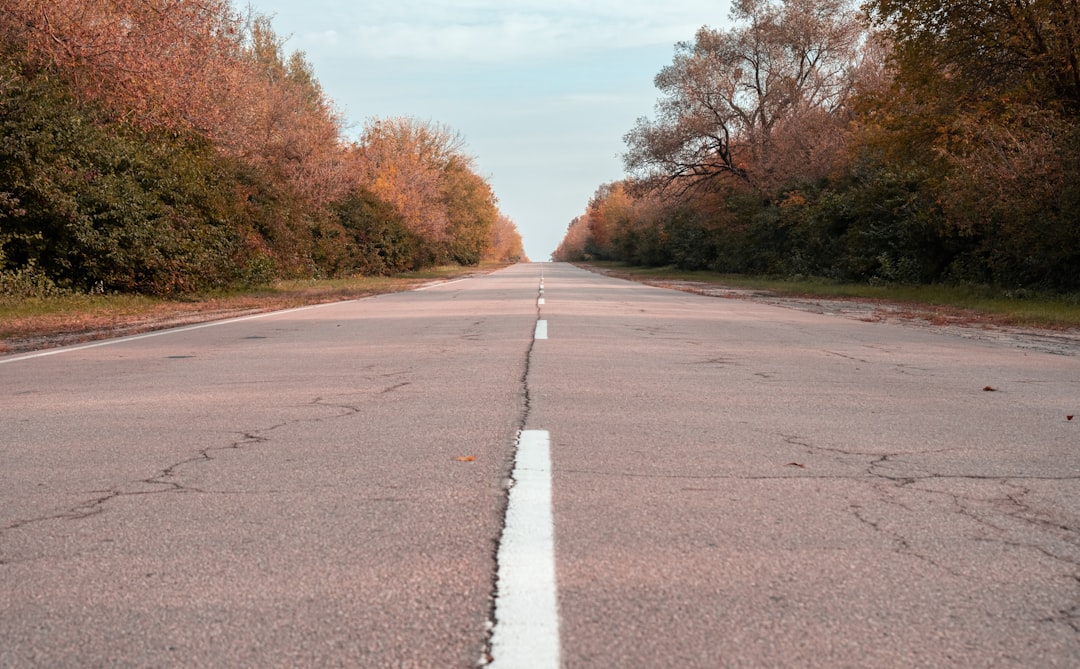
[540, 467]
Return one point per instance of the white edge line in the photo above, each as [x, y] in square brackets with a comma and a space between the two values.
[440, 283]
[526, 632]
[188, 328]
[159, 333]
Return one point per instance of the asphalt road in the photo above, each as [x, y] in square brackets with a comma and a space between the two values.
[731, 485]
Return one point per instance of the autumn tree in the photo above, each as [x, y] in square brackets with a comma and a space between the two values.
[294, 129]
[985, 103]
[1021, 49]
[471, 211]
[572, 246]
[155, 63]
[937, 141]
[401, 160]
[731, 97]
[505, 243]
[421, 168]
[168, 146]
[92, 204]
[607, 211]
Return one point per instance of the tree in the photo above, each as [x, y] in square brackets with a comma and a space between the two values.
[505, 244]
[607, 212]
[1025, 49]
[985, 100]
[572, 246]
[97, 204]
[470, 211]
[293, 130]
[422, 170]
[171, 145]
[154, 63]
[732, 97]
[378, 240]
[401, 160]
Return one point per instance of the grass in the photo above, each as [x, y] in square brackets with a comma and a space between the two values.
[966, 302]
[32, 323]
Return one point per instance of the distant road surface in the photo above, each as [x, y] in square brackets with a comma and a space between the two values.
[701, 483]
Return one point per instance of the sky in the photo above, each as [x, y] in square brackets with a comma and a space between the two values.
[542, 91]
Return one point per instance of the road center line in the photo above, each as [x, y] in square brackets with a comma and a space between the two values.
[526, 632]
[541, 330]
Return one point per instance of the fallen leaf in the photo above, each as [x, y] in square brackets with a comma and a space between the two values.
[1068, 417]
[796, 464]
[466, 458]
[990, 389]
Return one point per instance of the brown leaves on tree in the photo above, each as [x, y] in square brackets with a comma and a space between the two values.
[203, 73]
[158, 63]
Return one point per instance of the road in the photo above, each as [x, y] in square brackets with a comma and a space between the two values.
[727, 484]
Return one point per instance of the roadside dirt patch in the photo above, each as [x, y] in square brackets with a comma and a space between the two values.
[952, 321]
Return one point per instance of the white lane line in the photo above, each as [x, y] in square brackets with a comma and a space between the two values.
[540, 301]
[526, 632]
[160, 333]
[541, 330]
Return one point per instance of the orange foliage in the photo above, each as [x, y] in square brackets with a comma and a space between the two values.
[572, 246]
[401, 160]
[156, 62]
[192, 66]
[505, 244]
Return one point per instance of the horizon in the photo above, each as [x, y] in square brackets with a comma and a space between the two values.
[542, 93]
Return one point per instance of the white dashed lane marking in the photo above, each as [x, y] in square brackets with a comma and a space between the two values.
[526, 632]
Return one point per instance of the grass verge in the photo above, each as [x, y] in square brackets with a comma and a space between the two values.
[34, 323]
[973, 303]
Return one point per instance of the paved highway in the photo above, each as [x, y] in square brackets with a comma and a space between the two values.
[701, 483]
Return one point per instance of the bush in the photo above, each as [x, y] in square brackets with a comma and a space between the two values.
[104, 205]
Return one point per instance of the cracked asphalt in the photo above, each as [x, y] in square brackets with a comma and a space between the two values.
[741, 485]
[284, 491]
[734, 485]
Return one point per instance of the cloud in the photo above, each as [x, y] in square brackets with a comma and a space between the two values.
[489, 31]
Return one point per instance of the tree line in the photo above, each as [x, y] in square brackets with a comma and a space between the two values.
[898, 141]
[171, 146]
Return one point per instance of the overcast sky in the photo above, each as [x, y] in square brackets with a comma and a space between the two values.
[542, 92]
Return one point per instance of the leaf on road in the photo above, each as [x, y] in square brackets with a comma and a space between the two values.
[990, 389]
[795, 464]
[466, 458]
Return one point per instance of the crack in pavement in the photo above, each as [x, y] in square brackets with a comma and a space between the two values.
[525, 393]
[166, 476]
[1069, 616]
[913, 507]
[998, 509]
[903, 545]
